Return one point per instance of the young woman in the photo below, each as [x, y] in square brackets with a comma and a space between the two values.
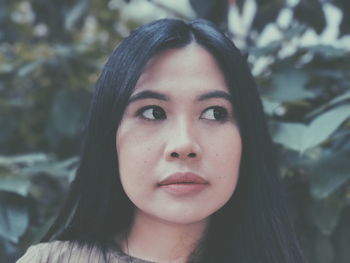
[176, 164]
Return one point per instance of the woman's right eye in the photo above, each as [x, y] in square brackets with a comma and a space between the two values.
[151, 113]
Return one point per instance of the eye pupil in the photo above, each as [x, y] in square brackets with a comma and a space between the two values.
[215, 113]
[218, 114]
[158, 114]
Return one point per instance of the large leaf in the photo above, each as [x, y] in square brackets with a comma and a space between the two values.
[301, 137]
[64, 169]
[14, 218]
[270, 106]
[327, 172]
[288, 84]
[339, 99]
[325, 214]
[14, 184]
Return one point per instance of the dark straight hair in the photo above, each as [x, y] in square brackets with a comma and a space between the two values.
[253, 226]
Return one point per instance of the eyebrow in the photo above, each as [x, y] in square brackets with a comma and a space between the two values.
[147, 94]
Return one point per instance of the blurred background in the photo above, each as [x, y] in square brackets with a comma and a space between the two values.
[51, 53]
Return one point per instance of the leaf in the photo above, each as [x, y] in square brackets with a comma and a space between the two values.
[290, 135]
[324, 125]
[14, 218]
[328, 172]
[29, 68]
[63, 169]
[333, 102]
[75, 14]
[325, 214]
[23, 159]
[344, 5]
[324, 250]
[301, 137]
[240, 4]
[66, 115]
[270, 106]
[288, 84]
[6, 68]
[213, 10]
[14, 184]
[327, 51]
[306, 7]
[267, 12]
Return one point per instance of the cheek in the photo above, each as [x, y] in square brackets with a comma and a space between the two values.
[226, 160]
[226, 148]
[136, 154]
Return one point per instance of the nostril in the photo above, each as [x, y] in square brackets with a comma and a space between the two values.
[174, 154]
[192, 155]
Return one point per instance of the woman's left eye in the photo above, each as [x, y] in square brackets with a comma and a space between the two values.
[215, 113]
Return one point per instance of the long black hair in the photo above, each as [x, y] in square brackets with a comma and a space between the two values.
[253, 226]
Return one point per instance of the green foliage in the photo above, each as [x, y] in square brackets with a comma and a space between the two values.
[51, 53]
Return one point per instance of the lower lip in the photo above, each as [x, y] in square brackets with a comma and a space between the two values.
[183, 189]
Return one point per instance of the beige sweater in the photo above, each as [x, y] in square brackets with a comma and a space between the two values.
[67, 252]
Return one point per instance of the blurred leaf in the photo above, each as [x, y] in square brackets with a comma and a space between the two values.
[14, 184]
[9, 252]
[290, 135]
[325, 214]
[328, 172]
[339, 99]
[14, 217]
[267, 12]
[8, 126]
[344, 6]
[240, 4]
[342, 239]
[67, 113]
[6, 68]
[270, 49]
[29, 68]
[324, 250]
[75, 14]
[63, 169]
[288, 84]
[213, 10]
[311, 13]
[23, 159]
[270, 106]
[300, 137]
[327, 51]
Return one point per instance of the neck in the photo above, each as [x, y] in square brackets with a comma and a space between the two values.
[162, 241]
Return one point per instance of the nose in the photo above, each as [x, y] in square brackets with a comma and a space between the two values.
[183, 143]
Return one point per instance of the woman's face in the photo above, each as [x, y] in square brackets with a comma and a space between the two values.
[178, 143]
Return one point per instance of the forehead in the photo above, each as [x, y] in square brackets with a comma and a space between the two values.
[189, 67]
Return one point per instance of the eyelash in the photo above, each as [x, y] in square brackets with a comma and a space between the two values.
[222, 111]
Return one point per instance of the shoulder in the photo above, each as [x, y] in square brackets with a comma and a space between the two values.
[61, 251]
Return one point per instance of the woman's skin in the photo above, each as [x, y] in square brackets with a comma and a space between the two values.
[179, 122]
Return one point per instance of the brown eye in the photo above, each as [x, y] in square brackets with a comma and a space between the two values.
[152, 113]
[215, 113]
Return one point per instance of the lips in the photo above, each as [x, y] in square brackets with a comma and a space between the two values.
[183, 183]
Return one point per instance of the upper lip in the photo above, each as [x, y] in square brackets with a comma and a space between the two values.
[178, 178]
